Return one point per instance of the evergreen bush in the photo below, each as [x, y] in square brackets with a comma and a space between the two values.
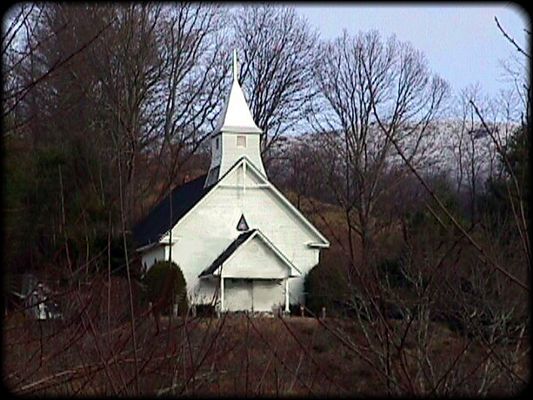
[165, 284]
[326, 286]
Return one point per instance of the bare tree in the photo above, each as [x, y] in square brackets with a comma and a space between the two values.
[195, 65]
[18, 26]
[371, 94]
[379, 100]
[276, 48]
[22, 40]
[517, 71]
[152, 79]
[444, 272]
[474, 157]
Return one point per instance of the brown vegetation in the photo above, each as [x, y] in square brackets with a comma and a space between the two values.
[213, 357]
[108, 107]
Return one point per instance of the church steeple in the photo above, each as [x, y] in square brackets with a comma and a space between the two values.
[236, 116]
[236, 134]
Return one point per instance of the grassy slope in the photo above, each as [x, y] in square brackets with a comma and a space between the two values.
[234, 355]
[206, 356]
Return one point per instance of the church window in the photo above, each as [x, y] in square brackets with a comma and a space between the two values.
[242, 225]
[241, 141]
[217, 143]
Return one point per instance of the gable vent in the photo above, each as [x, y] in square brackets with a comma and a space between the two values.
[242, 225]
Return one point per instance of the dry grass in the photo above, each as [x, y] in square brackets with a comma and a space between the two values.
[234, 355]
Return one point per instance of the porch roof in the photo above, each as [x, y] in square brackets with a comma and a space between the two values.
[227, 253]
[236, 244]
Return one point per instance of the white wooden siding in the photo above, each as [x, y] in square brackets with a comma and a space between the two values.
[153, 255]
[232, 153]
[255, 260]
[210, 227]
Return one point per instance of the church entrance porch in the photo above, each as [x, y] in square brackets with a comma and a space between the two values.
[256, 295]
[253, 274]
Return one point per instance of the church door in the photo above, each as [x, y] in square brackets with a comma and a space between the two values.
[237, 294]
[267, 294]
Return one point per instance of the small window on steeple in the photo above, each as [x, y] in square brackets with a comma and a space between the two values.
[242, 225]
[217, 143]
[241, 141]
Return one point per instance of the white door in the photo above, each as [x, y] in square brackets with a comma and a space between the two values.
[267, 294]
[237, 294]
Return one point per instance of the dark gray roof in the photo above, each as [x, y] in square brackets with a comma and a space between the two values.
[158, 221]
[226, 253]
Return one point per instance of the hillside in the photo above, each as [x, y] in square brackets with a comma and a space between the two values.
[235, 355]
[90, 351]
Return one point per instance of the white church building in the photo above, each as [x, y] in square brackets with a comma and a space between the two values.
[240, 244]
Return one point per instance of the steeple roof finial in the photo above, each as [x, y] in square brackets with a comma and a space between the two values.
[235, 65]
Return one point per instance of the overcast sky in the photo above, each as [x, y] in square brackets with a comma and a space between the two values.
[462, 43]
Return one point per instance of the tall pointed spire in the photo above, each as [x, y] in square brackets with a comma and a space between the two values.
[237, 116]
